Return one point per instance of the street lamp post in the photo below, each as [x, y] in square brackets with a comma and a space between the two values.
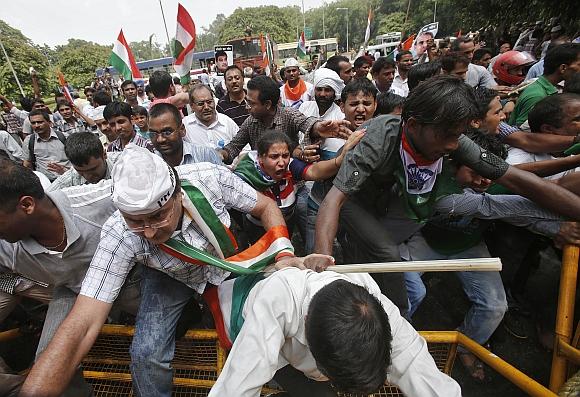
[340, 9]
[323, 24]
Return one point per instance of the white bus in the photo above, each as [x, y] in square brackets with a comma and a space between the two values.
[313, 47]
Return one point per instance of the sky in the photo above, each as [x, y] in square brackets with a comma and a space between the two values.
[54, 22]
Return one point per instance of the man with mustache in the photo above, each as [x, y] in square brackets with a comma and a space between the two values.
[233, 104]
[205, 126]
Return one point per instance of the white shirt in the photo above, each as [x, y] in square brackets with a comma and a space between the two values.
[273, 335]
[217, 135]
[308, 95]
[400, 86]
[519, 156]
[310, 109]
[9, 146]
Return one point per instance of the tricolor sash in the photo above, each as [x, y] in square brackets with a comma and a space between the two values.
[275, 242]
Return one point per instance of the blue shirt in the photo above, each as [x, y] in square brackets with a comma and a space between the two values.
[193, 154]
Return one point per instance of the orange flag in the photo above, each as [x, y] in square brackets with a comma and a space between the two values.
[407, 44]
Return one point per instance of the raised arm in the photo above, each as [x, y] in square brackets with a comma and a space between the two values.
[550, 167]
[55, 367]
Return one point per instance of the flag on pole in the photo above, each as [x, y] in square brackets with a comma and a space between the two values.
[301, 46]
[184, 44]
[64, 87]
[267, 53]
[407, 44]
[122, 59]
[367, 35]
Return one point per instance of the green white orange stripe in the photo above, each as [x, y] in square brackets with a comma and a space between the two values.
[122, 59]
[184, 44]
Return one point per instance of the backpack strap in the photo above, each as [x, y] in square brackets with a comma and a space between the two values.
[31, 143]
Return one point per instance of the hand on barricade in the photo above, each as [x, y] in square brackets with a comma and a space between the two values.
[569, 234]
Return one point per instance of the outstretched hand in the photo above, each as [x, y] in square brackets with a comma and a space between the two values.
[333, 129]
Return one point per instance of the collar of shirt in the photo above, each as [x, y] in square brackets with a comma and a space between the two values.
[52, 135]
[72, 232]
[195, 120]
[546, 85]
[398, 76]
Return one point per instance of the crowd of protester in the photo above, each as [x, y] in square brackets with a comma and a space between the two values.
[449, 150]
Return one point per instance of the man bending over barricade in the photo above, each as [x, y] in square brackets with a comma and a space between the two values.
[172, 220]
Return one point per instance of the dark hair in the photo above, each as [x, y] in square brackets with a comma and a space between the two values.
[270, 138]
[115, 109]
[400, 54]
[89, 89]
[34, 101]
[126, 83]
[160, 81]
[196, 88]
[148, 89]
[349, 336]
[455, 45]
[16, 181]
[58, 95]
[162, 108]
[488, 142]
[220, 53]
[480, 53]
[381, 63]
[358, 85]
[62, 102]
[141, 111]
[449, 61]
[483, 97]
[550, 111]
[334, 61]
[572, 85]
[176, 80]
[82, 146]
[422, 72]
[102, 98]
[562, 54]
[361, 61]
[387, 102]
[267, 88]
[232, 67]
[37, 112]
[26, 103]
[443, 101]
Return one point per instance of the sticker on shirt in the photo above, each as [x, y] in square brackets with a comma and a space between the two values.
[419, 179]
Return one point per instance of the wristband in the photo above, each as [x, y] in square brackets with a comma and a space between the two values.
[283, 254]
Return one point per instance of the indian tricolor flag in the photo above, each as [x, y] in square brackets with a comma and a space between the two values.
[301, 46]
[122, 59]
[184, 44]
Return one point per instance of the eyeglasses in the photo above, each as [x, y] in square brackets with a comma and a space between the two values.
[164, 133]
[157, 221]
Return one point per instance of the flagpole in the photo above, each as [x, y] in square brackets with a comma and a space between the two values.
[303, 19]
[166, 31]
[12, 68]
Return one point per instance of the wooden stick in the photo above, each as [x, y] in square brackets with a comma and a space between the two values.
[449, 265]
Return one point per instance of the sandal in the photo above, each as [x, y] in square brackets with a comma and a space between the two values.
[473, 366]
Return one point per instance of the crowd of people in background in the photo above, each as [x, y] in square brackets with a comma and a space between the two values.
[457, 148]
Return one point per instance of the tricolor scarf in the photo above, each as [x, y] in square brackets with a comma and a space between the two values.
[294, 94]
[422, 182]
[281, 192]
[275, 243]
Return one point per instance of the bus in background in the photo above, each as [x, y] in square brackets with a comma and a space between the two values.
[201, 60]
[385, 43]
[248, 51]
[328, 47]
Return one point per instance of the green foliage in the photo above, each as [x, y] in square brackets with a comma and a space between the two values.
[209, 37]
[281, 23]
[78, 60]
[146, 49]
[394, 22]
[23, 55]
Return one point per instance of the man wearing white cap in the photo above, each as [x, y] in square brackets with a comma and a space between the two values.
[295, 91]
[173, 220]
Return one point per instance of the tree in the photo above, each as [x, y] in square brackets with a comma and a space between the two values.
[79, 59]
[280, 23]
[146, 49]
[394, 22]
[23, 55]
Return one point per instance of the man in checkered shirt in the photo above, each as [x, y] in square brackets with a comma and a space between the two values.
[152, 209]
